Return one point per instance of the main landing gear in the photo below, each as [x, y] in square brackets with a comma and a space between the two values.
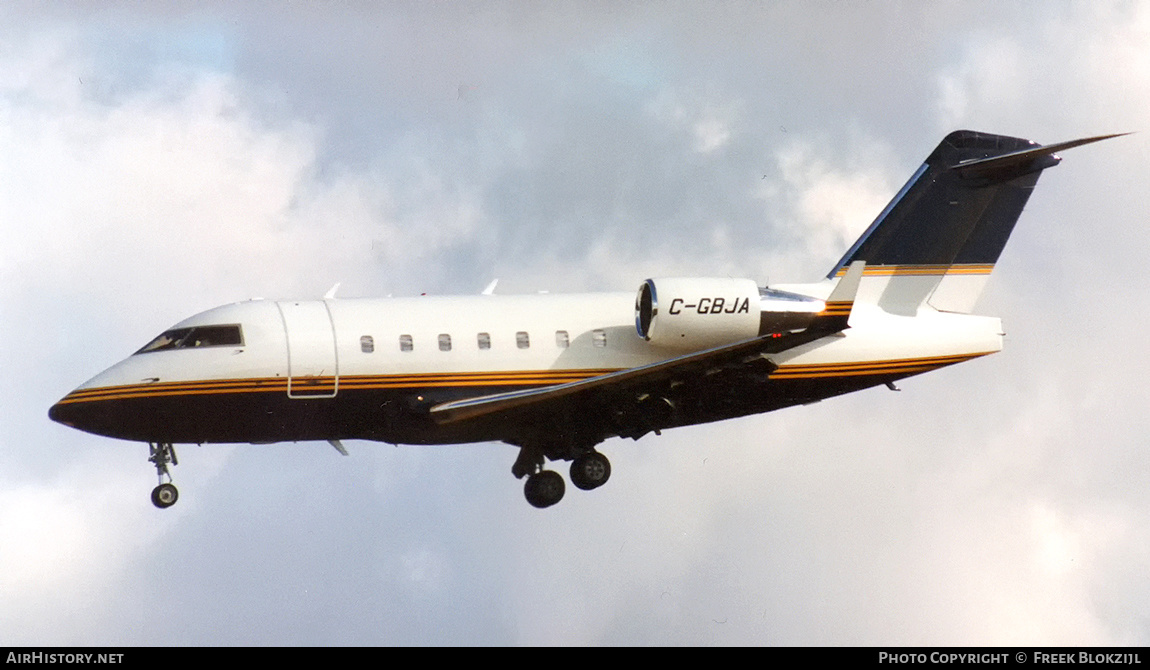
[544, 488]
[161, 453]
[590, 471]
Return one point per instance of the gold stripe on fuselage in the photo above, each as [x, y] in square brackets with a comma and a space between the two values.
[280, 384]
[474, 379]
[838, 308]
[923, 270]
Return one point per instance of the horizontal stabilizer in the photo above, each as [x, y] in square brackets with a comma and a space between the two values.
[1017, 163]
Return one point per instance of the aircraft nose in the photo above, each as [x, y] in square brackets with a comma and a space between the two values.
[68, 413]
[95, 406]
[77, 411]
[58, 415]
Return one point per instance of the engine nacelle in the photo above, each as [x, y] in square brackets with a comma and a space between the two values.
[696, 313]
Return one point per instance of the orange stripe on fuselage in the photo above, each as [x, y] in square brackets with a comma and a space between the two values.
[477, 379]
[923, 270]
[280, 384]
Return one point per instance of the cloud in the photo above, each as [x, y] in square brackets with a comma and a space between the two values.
[830, 201]
[995, 503]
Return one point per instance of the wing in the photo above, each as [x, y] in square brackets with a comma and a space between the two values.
[644, 380]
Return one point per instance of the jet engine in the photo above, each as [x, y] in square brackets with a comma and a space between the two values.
[697, 313]
[700, 312]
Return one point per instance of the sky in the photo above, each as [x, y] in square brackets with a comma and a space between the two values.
[158, 160]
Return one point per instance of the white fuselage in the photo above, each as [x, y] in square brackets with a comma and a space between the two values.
[346, 368]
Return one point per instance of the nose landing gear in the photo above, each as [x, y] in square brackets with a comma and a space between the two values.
[160, 454]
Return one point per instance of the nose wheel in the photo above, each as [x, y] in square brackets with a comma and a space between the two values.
[161, 454]
[165, 495]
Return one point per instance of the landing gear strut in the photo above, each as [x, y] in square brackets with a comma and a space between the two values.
[160, 454]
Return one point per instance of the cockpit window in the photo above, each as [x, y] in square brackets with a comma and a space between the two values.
[199, 336]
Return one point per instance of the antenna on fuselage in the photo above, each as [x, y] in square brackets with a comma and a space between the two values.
[491, 287]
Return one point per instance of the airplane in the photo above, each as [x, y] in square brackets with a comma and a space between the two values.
[556, 375]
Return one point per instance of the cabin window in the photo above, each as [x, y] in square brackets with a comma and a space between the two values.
[367, 344]
[484, 340]
[599, 337]
[562, 340]
[405, 343]
[198, 336]
[522, 340]
[444, 342]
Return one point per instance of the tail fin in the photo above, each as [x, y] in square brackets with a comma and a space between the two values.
[939, 238]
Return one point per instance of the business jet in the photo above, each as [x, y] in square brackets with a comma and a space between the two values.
[556, 375]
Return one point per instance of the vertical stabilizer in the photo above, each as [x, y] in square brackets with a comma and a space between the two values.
[939, 238]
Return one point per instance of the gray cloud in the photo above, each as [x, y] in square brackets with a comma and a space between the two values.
[156, 164]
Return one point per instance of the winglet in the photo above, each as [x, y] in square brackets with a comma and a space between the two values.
[837, 313]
